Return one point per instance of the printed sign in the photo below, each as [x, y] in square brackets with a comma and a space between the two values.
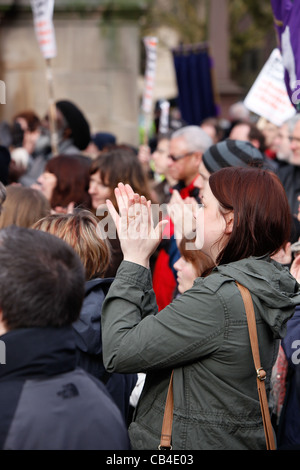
[150, 45]
[43, 25]
[268, 96]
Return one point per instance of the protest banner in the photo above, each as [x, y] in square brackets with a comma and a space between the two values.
[268, 97]
[150, 72]
[287, 24]
[44, 30]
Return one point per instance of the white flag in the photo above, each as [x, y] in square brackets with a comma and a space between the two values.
[43, 25]
[150, 45]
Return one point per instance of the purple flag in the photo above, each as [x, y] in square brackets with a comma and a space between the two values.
[287, 23]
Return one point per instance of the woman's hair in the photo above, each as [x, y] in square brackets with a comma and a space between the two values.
[262, 217]
[200, 261]
[23, 207]
[121, 164]
[81, 231]
[72, 173]
[32, 119]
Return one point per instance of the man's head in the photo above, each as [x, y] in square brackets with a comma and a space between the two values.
[248, 132]
[41, 280]
[71, 124]
[282, 146]
[225, 154]
[187, 146]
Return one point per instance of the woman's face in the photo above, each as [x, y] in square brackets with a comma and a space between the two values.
[186, 274]
[212, 227]
[98, 191]
[160, 156]
[47, 182]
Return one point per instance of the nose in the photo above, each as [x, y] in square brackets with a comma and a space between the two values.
[293, 145]
[169, 162]
[177, 265]
[91, 189]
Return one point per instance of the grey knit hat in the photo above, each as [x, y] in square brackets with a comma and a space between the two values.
[231, 153]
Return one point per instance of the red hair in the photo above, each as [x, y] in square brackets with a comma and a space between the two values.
[73, 176]
[262, 217]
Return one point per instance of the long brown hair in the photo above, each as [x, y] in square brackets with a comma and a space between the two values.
[121, 164]
[262, 217]
[200, 261]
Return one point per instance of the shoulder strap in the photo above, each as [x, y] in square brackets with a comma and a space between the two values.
[260, 373]
[166, 431]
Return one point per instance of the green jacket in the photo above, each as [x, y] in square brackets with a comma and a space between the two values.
[203, 335]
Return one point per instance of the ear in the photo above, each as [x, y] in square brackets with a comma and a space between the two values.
[229, 219]
[255, 143]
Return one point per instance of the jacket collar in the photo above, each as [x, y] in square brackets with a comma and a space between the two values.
[38, 352]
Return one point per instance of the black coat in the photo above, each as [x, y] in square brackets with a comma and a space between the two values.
[46, 402]
[289, 176]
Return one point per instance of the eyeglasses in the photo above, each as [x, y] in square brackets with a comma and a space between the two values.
[294, 139]
[179, 157]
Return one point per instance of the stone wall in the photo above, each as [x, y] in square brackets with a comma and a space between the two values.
[96, 66]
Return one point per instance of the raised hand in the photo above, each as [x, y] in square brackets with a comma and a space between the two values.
[138, 237]
[182, 213]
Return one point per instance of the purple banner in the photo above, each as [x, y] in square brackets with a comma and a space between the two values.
[287, 23]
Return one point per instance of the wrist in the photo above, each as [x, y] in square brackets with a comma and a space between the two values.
[141, 261]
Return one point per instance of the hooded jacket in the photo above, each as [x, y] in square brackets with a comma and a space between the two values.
[46, 403]
[203, 336]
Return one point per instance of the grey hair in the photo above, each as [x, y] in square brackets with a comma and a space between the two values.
[197, 140]
[292, 122]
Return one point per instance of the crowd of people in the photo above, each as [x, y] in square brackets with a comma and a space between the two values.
[118, 271]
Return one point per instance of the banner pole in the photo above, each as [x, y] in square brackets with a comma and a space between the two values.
[150, 69]
[52, 108]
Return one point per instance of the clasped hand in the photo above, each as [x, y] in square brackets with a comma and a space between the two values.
[134, 224]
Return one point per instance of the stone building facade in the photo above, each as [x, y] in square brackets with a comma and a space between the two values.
[96, 66]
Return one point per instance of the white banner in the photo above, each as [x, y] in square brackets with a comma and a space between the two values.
[43, 25]
[268, 96]
[150, 45]
[164, 117]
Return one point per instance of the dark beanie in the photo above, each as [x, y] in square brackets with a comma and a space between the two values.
[4, 164]
[231, 153]
[80, 127]
[101, 139]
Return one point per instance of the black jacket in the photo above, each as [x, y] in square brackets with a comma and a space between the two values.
[89, 345]
[48, 403]
[289, 176]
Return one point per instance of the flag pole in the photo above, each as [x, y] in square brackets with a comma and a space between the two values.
[52, 108]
